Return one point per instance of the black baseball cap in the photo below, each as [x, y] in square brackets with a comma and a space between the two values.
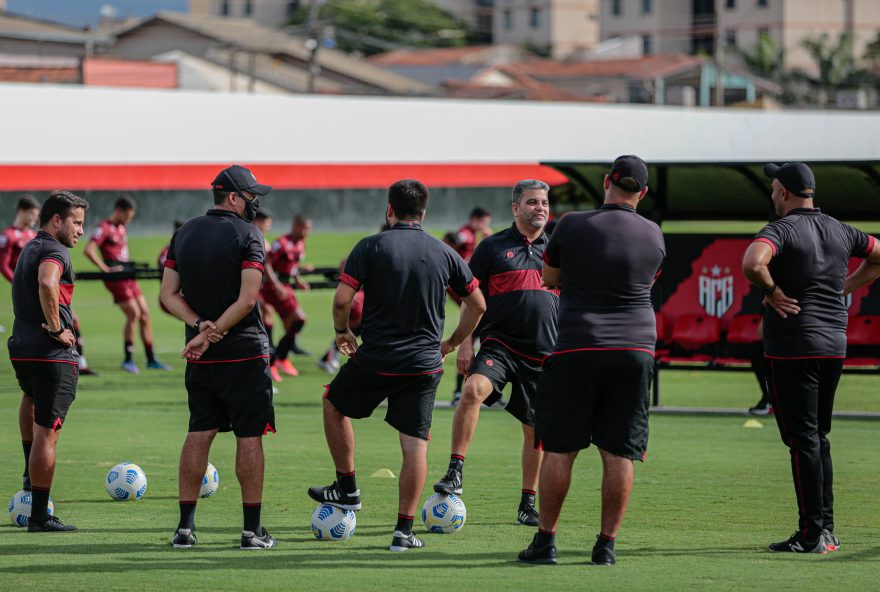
[238, 178]
[794, 176]
[630, 173]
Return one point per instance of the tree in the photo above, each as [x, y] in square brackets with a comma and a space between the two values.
[766, 59]
[836, 63]
[371, 26]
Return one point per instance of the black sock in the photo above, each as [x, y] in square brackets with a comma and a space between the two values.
[252, 517]
[26, 447]
[187, 515]
[148, 348]
[269, 329]
[346, 482]
[528, 498]
[545, 537]
[40, 504]
[605, 541]
[79, 341]
[459, 380]
[128, 347]
[404, 523]
[283, 347]
[456, 461]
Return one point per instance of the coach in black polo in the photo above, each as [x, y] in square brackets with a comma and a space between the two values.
[42, 346]
[516, 334]
[404, 273]
[800, 262]
[595, 386]
[211, 282]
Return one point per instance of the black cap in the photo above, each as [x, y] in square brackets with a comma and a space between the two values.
[794, 176]
[630, 173]
[237, 178]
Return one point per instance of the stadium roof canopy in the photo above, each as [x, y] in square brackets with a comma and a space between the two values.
[705, 163]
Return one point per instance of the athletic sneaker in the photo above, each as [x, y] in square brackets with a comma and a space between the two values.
[273, 372]
[26, 482]
[286, 367]
[528, 515]
[404, 542]
[603, 553]
[456, 397]
[796, 544]
[157, 365]
[832, 543]
[536, 555]
[328, 366]
[184, 538]
[51, 524]
[451, 483]
[761, 408]
[131, 367]
[251, 540]
[334, 496]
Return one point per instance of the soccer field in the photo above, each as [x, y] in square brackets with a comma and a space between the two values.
[706, 503]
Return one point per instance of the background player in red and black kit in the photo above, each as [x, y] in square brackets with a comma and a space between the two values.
[286, 257]
[596, 384]
[42, 346]
[263, 222]
[110, 238]
[464, 241]
[404, 273]
[800, 262]
[516, 333]
[211, 282]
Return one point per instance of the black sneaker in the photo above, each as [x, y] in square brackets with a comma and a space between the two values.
[832, 543]
[451, 483]
[333, 495]
[528, 515]
[761, 408]
[51, 524]
[26, 482]
[404, 542]
[257, 540]
[603, 553]
[797, 544]
[536, 555]
[184, 538]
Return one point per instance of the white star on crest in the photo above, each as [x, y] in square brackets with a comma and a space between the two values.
[716, 270]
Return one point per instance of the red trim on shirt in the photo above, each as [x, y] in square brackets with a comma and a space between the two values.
[488, 339]
[516, 280]
[252, 265]
[349, 281]
[44, 360]
[473, 285]
[568, 351]
[870, 246]
[264, 356]
[171, 264]
[56, 262]
[769, 242]
[410, 374]
[65, 293]
[805, 357]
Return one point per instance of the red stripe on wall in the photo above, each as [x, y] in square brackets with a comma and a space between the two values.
[280, 176]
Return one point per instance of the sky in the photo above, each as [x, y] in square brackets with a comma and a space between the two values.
[81, 13]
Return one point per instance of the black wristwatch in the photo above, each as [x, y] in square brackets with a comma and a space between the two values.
[55, 333]
[343, 332]
[769, 291]
[196, 324]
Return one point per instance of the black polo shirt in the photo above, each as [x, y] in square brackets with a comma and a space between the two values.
[29, 341]
[521, 312]
[404, 273]
[609, 259]
[811, 251]
[209, 253]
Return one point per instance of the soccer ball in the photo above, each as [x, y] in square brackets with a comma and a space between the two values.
[210, 482]
[126, 481]
[20, 508]
[443, 513]
[330, 523]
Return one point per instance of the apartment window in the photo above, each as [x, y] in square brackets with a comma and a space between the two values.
[646, 6]
[646, 45]
[508, 19]
[731, 4]
[535, 18]
[616, 8]
[730, 37]
[224, 8]
[763, 3]
[248, 7]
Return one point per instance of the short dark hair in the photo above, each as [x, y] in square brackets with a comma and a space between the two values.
[61, 203]
[220, 196]
[479, 212]
[263, 214]
[301, 220]
[28, 202]
[408, 199]
[125, 203]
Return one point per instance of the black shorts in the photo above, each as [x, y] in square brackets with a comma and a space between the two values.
[52, 386]
[357, 390]
[500, 366]
[234, 396]
[598, 397]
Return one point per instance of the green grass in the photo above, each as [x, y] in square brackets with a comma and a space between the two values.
[705, 504]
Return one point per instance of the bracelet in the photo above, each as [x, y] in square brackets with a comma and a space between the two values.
[342, 332]
[769, 291]
[55, 333]
[197, 323]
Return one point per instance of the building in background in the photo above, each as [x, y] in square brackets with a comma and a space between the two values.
[557, 28]
[270, 13]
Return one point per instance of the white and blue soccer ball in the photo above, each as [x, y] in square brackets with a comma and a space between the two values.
[20, 508]
[210, 481]
[330, 523]
[444, 514]
[126, 481]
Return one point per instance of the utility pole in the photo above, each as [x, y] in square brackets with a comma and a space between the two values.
[313, 43]
[719, 57]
